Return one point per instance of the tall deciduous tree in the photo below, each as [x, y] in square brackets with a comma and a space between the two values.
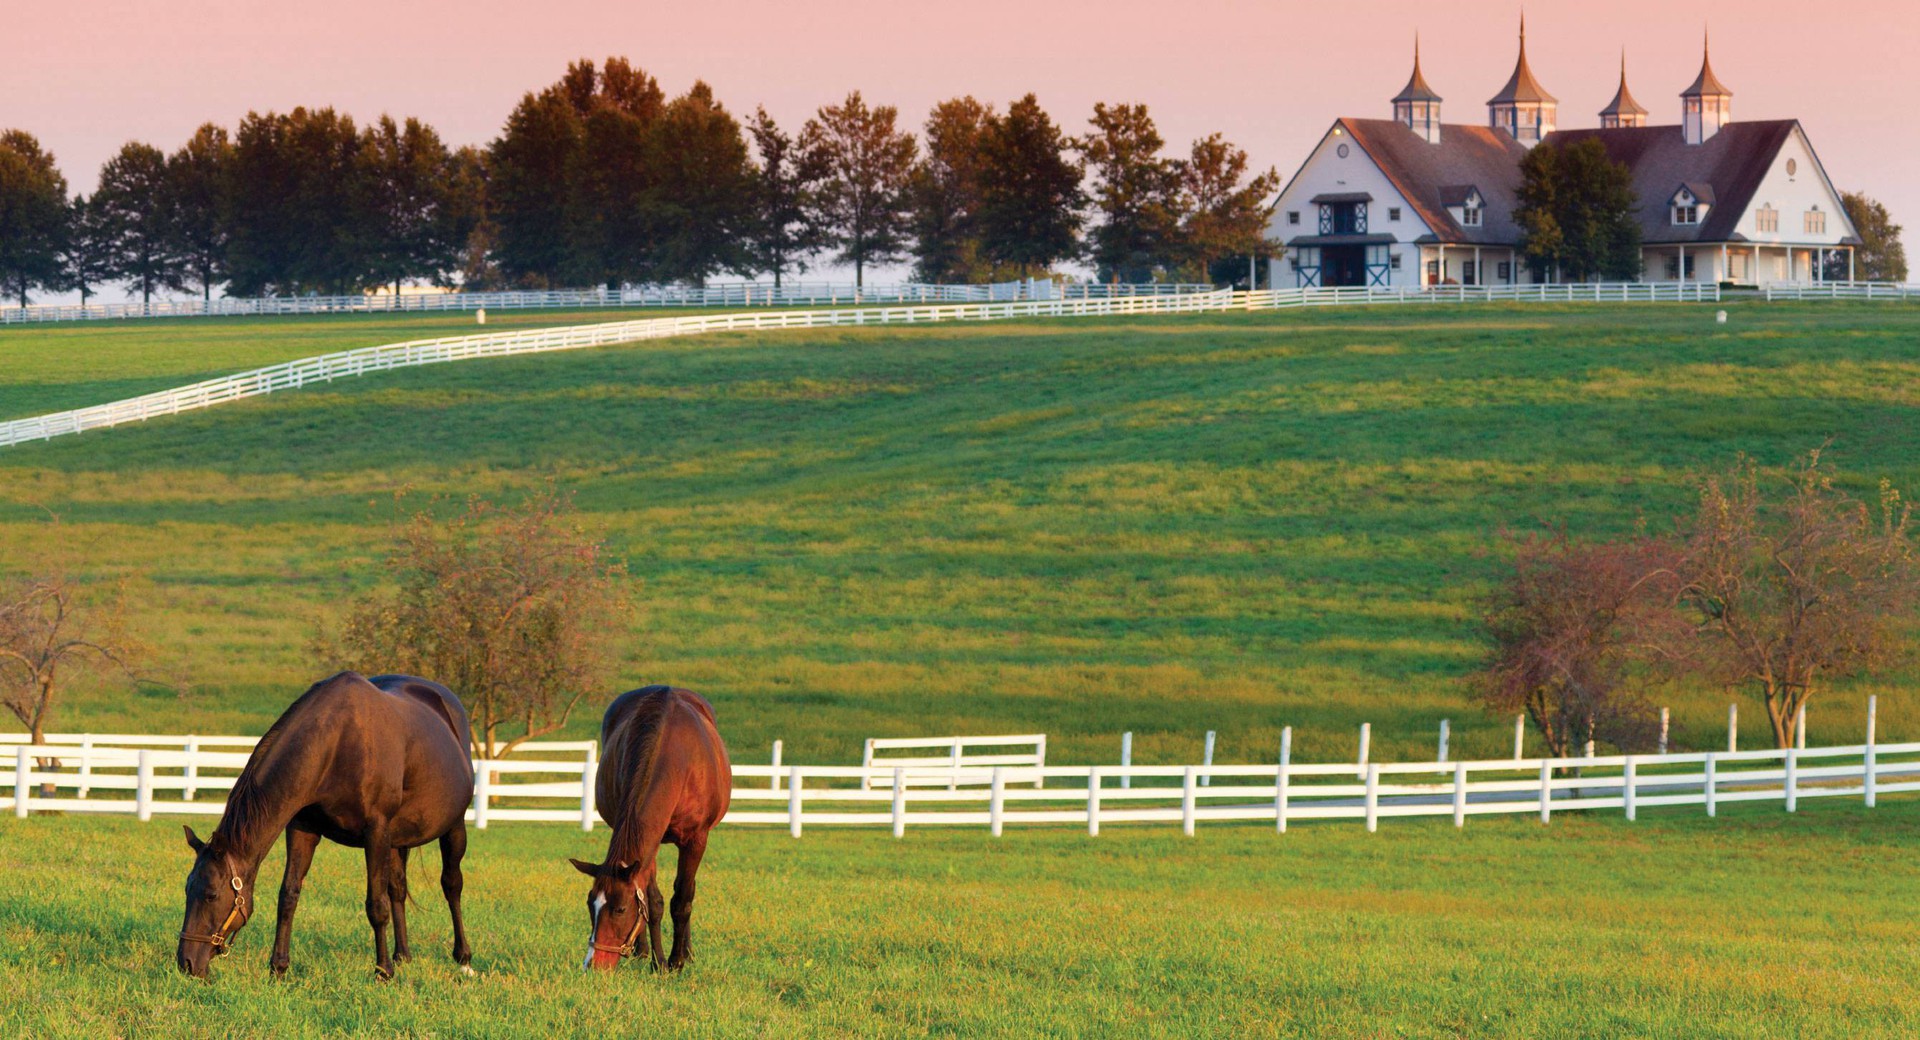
[1030, 197]
[532, 167]
[33, 216]
[86, 253]
[52, 627]
[415, 210]
[705, 188]
[294, 211]
[508, 607]
[1565, 624]
[1881, 256]
[1797, 585]
[865, 197]
[944, 194]
[614, 217]
[1576, 213]
[199, 178]
[1223, 215]
[1134, 195]
[785, 227]
[134, 206]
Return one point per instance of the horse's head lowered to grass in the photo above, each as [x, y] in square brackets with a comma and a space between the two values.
[219, 901]
[616, 913]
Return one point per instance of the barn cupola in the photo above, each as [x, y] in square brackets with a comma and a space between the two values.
[1417, 107]
[1523, 108]
[1706, 106]
[1623, 110]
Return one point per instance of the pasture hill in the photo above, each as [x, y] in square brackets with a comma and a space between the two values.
[1230, 522]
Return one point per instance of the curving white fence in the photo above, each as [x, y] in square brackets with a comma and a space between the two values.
[152, 780]
[292, 375]
[729, 294]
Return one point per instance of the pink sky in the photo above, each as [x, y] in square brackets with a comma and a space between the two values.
[87, 75]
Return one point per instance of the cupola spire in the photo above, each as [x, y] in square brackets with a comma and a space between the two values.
[1623, 110]
[1417, 107]
[1523, 108]
[1707, 105]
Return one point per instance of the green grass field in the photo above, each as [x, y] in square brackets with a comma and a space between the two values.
[1754, 925]
[1231, 522]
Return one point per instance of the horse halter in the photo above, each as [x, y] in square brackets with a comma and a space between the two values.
[221, 938]
[625, 949]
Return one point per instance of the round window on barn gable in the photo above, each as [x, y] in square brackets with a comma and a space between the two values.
[1793, 167]
[1343, 151]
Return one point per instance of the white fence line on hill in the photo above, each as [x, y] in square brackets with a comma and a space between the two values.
[292, 375]
[1842, 291]
[996, 796]
[729, 294]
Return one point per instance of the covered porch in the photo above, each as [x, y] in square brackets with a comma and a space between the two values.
[1748, 263]
[1442, 263]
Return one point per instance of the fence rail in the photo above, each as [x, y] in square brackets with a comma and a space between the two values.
[731, 294]
[151, 780]
[1842, 291]
[293, 375]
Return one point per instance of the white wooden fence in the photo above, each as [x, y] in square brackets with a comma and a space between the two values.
[1842, 291]
[961, 759]
[293, 375]
[730, 294]
[147, 781]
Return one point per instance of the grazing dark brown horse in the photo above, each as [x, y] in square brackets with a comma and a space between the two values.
[378, 764]
[664, 778]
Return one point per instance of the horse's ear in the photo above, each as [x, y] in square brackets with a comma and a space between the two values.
[626, 871]
[589, 869]
[193, 840]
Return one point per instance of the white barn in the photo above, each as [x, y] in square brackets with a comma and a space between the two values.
[1414, 201]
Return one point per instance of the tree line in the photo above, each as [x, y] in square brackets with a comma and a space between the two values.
[601, 178]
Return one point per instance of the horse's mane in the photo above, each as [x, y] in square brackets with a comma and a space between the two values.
[247, 801]
[647, 722]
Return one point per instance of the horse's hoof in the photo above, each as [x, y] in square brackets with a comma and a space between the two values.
[382, 973]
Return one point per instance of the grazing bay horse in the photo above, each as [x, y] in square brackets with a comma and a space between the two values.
[380, 764]
[664, 777]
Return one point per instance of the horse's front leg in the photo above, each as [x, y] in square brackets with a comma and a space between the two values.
[656, 909]
[683, 878]
[379, 901]
[300, 846]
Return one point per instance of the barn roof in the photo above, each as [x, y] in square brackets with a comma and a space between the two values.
[1430, 176]
[1725, 170]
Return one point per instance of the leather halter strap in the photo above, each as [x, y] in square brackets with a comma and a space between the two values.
[221, 938]
[639, 921]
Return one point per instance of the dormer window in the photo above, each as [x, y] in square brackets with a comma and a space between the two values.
[1689, 207]
[1465, 203]
[1470, 216]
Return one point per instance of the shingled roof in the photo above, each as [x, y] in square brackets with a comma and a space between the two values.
[1729, 166]
[1706, 84]
[1426, 174]
[1623, 103]
[1522, 86]
[1416, 88]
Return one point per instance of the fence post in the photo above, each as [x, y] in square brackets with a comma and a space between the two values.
[953, 773]
[773, 780]
[1867, 770]
[1366, 738]
[589, 776]
[1093, 802]
[1186, 802]
[86, 765]
[899, 802]
[866, 763]
[1792, 790]
[1589, 747]
[1800, 726]
[1126, 757]
[996, 805]
[482, 793]
[1628, 779]
[1546, 791]
[1733, 727]
[193, 767]
[1206, 759]
[793, 801]
[1443, 740]
[1280, 781]
[22, 780]
[143, 787]
[1663, 731]
[1459, 794]
[1519, 734]
[1712, 789]
[1373, 797]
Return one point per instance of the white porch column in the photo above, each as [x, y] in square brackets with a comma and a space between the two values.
[1850, 264]
[1756, 263]
[1477, 279]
